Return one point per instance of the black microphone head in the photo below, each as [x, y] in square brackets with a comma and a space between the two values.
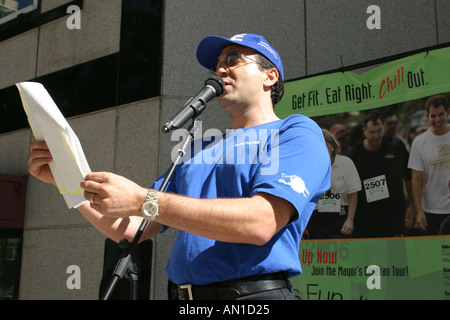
[217, 83]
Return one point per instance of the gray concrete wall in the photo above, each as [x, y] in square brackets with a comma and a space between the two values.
[54, 47]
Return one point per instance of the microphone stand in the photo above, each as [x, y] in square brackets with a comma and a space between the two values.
[128, 264]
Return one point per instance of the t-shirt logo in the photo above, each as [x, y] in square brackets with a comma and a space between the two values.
[296, 183]
[441, 158]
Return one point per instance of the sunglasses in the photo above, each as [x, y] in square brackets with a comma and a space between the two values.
[232, 60]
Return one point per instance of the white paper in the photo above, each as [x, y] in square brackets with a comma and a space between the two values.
[69, 165]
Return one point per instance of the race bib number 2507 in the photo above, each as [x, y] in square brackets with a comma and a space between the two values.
[376, 188]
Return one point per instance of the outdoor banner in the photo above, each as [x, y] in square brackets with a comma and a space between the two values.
[405, 268]
[375, 269]
[409, 78]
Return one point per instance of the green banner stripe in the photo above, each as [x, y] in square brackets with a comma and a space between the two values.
[409, 78]
[406, 268]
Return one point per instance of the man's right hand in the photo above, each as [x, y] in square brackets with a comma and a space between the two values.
[38, 162]
[421, 221]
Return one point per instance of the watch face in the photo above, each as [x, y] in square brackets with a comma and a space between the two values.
[150, 208]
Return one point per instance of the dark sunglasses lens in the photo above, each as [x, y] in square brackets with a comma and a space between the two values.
[232, 60]
[229, 61]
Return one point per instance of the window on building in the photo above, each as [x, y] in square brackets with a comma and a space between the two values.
[10, 261]
[12, 213]
[11, 9]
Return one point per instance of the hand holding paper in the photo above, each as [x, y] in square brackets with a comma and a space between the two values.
[69, 165]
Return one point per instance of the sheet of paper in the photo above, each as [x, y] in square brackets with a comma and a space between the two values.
[69, 165]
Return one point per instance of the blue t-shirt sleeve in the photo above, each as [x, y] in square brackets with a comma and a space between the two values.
[296, 166]
[170, 185]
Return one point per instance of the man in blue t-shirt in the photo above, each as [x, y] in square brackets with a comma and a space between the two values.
[241, 201]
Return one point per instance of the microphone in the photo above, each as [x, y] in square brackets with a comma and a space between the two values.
[195, 106]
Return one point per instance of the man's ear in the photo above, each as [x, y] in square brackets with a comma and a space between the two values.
[272, 76]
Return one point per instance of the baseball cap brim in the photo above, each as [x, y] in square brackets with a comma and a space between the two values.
[209, 50]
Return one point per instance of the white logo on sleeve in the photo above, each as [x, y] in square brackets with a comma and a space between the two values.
[296, 183]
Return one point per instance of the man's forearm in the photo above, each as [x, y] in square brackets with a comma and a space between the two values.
[117, 228]
[416, 188]
[245, 220]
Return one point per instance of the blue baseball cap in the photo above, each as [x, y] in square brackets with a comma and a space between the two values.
[210, 48]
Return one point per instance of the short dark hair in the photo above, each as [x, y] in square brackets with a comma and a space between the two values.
[436, 101]
[278, 87]
[373, 116]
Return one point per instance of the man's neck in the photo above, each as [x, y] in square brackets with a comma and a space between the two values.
[440, 132]
[370, 147]
[253, 117]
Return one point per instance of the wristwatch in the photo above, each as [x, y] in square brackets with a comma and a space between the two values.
[150, 208]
